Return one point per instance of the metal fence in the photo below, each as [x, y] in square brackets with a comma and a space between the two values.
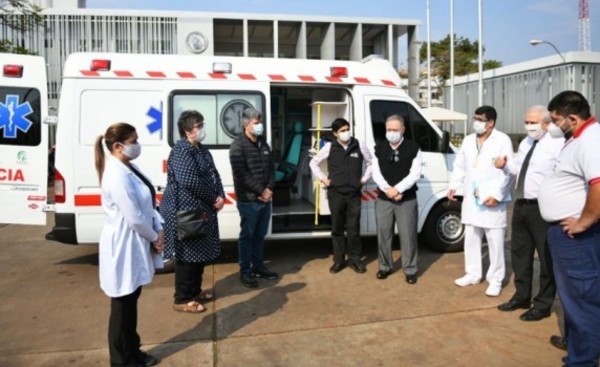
[512, 93]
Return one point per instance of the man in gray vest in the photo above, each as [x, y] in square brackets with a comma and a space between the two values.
[396, 169]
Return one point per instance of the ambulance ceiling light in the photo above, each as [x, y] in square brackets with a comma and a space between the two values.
[222, 67]
[12, 71]
[339, 72]
[100, 65]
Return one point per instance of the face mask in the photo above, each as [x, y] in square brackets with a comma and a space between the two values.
[258, 130]
[393, 136]
[478, 127]
[200, 135]
[556, 131]
[534, 131]
[132, 151]
[344, 136]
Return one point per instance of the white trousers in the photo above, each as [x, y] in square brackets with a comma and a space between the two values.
[473, 261]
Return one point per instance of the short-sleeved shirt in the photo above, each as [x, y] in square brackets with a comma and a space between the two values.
[564, 191]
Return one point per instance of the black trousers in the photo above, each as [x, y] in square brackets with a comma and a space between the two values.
[188, 281]
[529, 234]
[123, 339]
[345, 226]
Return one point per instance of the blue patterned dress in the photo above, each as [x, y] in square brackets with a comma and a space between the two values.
[198, 184]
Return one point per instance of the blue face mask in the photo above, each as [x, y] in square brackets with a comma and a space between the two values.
[258, 130]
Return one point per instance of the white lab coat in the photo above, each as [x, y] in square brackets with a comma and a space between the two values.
[474, 169]
[132, 223]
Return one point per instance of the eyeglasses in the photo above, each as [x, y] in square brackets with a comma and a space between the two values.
[394, 157]
[530, 122]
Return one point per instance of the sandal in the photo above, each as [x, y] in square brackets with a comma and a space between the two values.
[204, 297]
[191, 307]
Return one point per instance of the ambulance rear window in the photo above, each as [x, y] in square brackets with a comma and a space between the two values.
[20, 120]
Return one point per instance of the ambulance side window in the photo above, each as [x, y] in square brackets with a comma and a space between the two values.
[20, 119]
[417, 128]
[222, 113]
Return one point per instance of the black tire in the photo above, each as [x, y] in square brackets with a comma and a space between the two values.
[443, 230]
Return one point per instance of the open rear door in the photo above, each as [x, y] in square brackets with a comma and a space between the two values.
[23, 139]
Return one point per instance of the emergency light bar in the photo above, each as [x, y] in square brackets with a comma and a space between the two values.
[100, 65]
[222, 67]
[339, 72]
[12, 71]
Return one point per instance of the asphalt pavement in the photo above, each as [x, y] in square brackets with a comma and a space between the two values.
[53, 312]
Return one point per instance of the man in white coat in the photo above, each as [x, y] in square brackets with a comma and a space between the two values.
[486, 192]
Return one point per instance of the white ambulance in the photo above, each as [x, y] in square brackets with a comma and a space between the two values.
[23, 139]
[299, 100]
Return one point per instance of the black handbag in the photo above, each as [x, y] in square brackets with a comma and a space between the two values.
[191, 223]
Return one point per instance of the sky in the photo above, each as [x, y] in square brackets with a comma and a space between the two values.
[508, 25]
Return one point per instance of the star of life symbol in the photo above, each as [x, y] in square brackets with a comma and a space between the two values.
[13, 117]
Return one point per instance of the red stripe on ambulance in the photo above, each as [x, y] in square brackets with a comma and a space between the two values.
[247, 76]
[186, 74]
[217, 75]
[123, 73]
[156, 74]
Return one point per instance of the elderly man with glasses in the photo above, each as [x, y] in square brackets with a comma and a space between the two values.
[396, 170]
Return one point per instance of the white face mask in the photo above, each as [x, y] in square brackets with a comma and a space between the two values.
[132, 151]
[344, 136]
[478, 127]
[200, 135]
[258, 129]
[393, 136]
[535, 131]
[556, 132]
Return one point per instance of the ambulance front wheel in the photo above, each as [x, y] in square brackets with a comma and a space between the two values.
[443, 230]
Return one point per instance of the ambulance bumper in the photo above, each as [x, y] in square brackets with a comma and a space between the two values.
[64, 229]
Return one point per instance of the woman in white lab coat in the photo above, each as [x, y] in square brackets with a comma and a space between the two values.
[131, 240]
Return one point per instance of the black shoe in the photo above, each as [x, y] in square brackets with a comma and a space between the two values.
[559, 342]
[534, 315]
[146, 360]
[265, 273]
[248, 281]
[336, 268]
[411, 278]
[382, 274]
[514, 305]
[358, 267]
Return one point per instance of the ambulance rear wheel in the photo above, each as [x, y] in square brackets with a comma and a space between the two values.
[443, 230]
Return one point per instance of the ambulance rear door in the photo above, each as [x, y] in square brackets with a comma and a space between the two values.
[23, 139]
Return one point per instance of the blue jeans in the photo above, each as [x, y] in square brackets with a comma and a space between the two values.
[577, 272]
[254, 224]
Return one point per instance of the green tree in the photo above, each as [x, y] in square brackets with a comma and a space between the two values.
[20, 16]
[465, 57]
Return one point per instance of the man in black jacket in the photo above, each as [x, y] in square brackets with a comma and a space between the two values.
[396, 170]
[345, 156]
[253, 180]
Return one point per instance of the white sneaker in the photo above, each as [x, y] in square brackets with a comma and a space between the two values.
[494, 289]
[467, 280]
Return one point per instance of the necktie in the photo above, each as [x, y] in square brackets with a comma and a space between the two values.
[521, 179]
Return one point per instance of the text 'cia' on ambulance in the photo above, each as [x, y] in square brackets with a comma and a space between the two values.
[298, 98]
[23, 139]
